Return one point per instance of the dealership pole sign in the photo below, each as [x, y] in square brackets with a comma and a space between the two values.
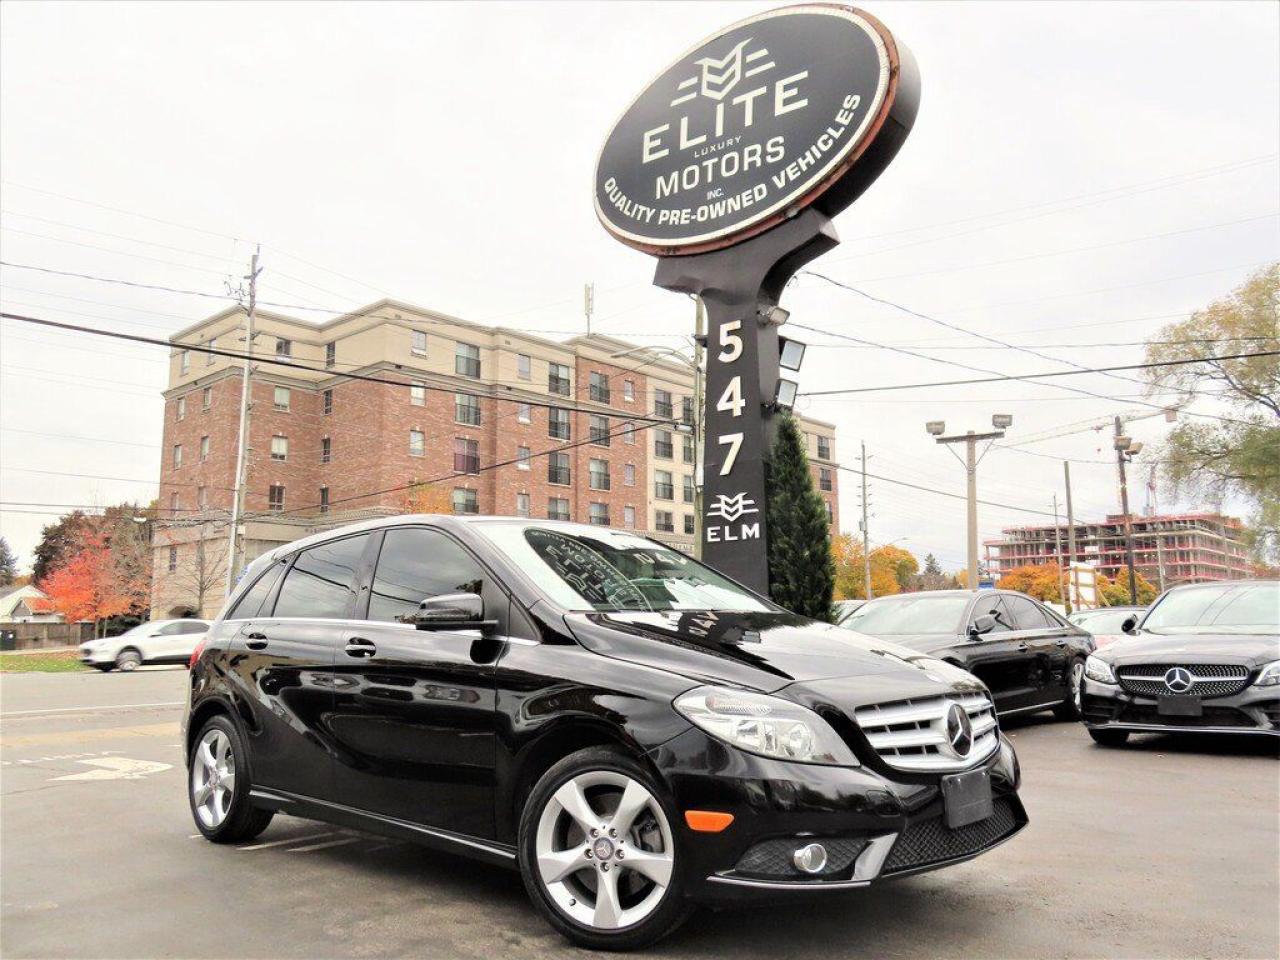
[728, 167]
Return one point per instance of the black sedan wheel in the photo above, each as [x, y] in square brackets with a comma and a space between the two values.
[218, 785]
[1110, 738]
[1069, 709]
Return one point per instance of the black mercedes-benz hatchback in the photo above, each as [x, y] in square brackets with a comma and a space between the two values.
[1205, 658]
[631, 730]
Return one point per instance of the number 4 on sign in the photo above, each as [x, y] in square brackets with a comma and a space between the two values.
[731, 401]
[734, 442]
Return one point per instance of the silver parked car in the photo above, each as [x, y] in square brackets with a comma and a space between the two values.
[158, 641]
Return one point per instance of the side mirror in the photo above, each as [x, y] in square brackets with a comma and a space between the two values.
[982, 623]
[1130, 624]
[451, 611]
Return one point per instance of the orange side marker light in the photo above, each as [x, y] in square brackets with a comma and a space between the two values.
[707, 821]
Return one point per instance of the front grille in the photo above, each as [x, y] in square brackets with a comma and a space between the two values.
[911, 734]
[1211, 717]
[931, 841]
[771, 859]
[1208, 679]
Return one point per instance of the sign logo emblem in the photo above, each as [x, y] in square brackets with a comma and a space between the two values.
[959, 730]
[732, 508]
[1178, 679]
[719, 77]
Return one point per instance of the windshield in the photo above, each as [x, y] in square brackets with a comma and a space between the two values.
[914, 614]
[582, 568]
[1229, 608]
[1104, 621]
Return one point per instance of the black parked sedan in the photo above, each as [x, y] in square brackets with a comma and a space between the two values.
[628, 728]
[1204, 659]
[1030, 658]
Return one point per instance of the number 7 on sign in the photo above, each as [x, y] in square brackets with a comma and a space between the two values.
[734, 442]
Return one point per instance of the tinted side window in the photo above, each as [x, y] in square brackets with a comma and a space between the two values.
[1026, 615]
[416, 563]
[251, 603]
[992, 605]
[321, 582]
[192, 626]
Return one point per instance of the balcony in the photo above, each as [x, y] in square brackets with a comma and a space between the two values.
[664, 524]
[664, 491]
[558, 475]
[557, 513]
[600, 519]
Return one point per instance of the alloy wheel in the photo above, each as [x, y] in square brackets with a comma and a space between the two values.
[213, 778]
[129, 660]
[604, 850]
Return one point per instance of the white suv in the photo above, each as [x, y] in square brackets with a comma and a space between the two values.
[160, 641]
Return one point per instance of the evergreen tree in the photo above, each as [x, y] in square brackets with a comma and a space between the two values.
[801, 569]
[8, 564]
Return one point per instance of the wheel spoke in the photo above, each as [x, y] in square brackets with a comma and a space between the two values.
[222, 747]
[608, 913]
[202, 794]
[634, 799]
[555, 865]
[207, 756]
[574, 802]
[229, 782]
[656, 866]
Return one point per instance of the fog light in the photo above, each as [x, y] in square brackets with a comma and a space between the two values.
[811, 858]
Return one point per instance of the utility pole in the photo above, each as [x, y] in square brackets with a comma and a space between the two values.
[242, 451]
[971, 460]
[1124, 449]
[588, 303]
[1071, 534]
[1057, 547]
[866, 530]
[699, 335]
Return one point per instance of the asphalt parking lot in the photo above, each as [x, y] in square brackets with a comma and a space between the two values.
[1168, 848]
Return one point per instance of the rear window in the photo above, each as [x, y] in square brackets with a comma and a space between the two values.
[250, 604]
[321, 583]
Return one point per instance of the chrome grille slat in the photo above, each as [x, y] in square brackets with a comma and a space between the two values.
[911, 734]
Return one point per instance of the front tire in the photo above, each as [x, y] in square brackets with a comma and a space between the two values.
[128, 659]
[218, 785]
[598, 852]
[1070, 708]
[1109, 738]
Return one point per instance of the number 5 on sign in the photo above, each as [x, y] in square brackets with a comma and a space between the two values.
[734, 442]
[731, 342]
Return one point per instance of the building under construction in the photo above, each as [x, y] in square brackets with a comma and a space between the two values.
[1168, 549]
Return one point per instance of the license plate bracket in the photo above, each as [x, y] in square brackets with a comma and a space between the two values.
[1180, 707]
[966, 798]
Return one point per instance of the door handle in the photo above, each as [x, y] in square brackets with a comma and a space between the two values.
[1061, 643]
[256, 641]
[360, 647]
[1022, 646]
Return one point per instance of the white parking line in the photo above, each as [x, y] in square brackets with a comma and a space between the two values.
[281, 843]
[91, 709]
[324, 846]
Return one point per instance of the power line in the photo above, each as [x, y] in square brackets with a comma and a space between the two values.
[63, 436]
[94, 476]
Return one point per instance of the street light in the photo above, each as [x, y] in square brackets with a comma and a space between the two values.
[785, 397]
[936, 428]
[790, 353]
[1126, 449]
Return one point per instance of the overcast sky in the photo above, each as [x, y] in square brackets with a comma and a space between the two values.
[1078, 174]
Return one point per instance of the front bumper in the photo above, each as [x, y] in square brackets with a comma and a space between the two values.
[1254, 710]
[877, 824]
[93, 657]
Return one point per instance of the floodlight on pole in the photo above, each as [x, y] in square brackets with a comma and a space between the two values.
[774, 315]
[790, 353]
[1002, 421]
[785, 398]
[936, 428]
[970, 461]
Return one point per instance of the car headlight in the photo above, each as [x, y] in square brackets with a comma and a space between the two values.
[1095, 668]
[769, 726]
[1269, 675]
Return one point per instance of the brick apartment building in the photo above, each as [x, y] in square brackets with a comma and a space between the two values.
[470, 411]
[1167, 549]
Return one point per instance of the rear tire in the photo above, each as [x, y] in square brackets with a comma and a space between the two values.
[1069, 709]
[128, 659]
[629, 892]
[218, 785]
[1110, 738]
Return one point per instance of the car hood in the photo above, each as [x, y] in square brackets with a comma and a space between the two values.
[918, 642]
[762, 651]
[1252, 650]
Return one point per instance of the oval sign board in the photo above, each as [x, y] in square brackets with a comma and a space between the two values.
[754, 124]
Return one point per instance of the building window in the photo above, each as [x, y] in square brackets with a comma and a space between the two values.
[824, 448]
[210, 357]
[824, 479]
[466, 360]
[175, 504]
[418, 394]
[664, 521]
[830, 515]
[324, 499]
[466, 409]
[284, 348]
[629, 475]
[524, 366]
[629, 517]
[557, 508]
[173, 559]
[522, 505]
[418, 343]
[558, 378]
[202, 498]
[328, 402]
[598, 387]
[599, 514]
[688, 524]
[280, 399]
[184, 361]
[275, 497]
[629, 432]
[417, 443]
[686, 445]
[466, 455]
[686, 411]
[522, 458]
[663, 448]
[279, 448]
[558, 423]
[177, 455]
[326, 450]
[662, 403]
[599, 427]
[558, 468]
[663, 489]
[206, 398]
[465, 501]
[204, 449]
[524, 413]
[182, 408]
[628, 391]
[598, 474]
[687, 488]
